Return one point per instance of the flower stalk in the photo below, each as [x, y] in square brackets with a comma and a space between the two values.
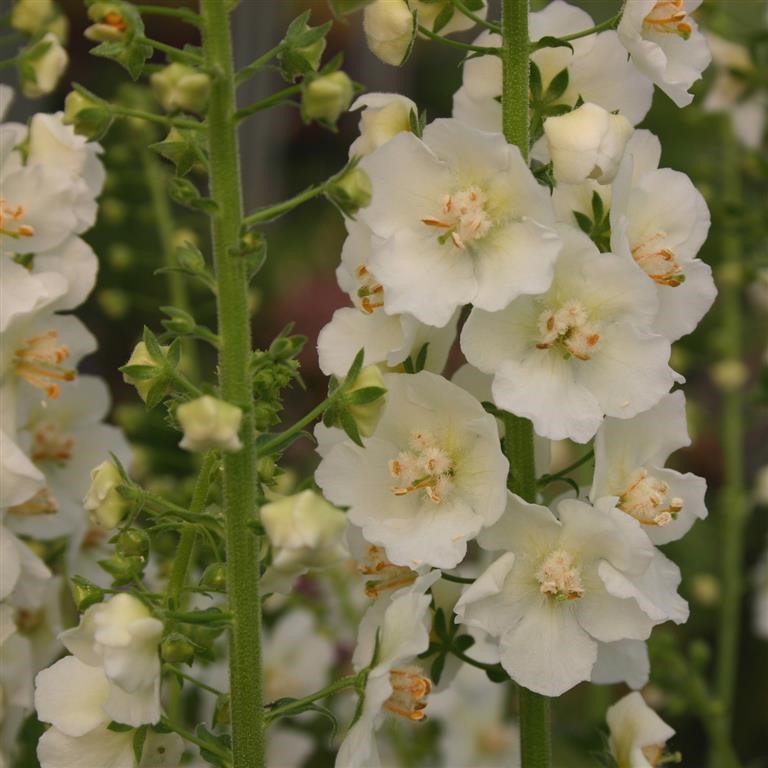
[535, 746]
[239, 469]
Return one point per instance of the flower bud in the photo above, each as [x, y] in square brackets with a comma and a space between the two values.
[85, 593]
[142, 371]
[587, 143]
[326, 97]
[305, 531]
[32, 16]
[87, 116]
[177, 649]
[210, 424]
[181, 87]
[351, 192]
[110, 22]
[215, 577]
[390, 28]
[384, 115]
[366, 398]
[133, 541]
[41, 66]
[124, 568]
[106, 505]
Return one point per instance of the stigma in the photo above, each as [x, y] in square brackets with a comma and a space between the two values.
[569, 330]
[39, 362]
[370, 294]
[646, 499]
[669, 16]
[559, 577]
[463, 217]
[425, 466]
[659, 264]
[409, 691]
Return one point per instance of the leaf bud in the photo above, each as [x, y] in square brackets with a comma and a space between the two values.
[123, 568]
[366, 398]
[215, 577]
[88, 117]
[142, 370]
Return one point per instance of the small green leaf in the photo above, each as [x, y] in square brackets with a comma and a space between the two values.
[349, 425]
[496, 674]
[535, 82]
[153, 346]
[365, 395]
[551, 42]
[139, 372]
[557, 85]
[421, 358]
[355, 368]
[463, 643]
[597, 207]
[116, 727]
[443, 18]
[139, 737]
[436, 670]
[585, 223]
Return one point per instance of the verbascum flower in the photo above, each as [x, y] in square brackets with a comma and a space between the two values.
[106, 505]
[638, 736]
[210, 424]
[42, 66]
[383, 116]
[390, 28]
[324, 98]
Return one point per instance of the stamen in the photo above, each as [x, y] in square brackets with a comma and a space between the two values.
[48, 444]
[558, 576]
[388, 575]
[38, 362]
[409, 689]
[42, 503]
[426, 466]
[370, 293]
[116, 20]
[10, 216]
[645, 499]
[659, 264]
[568, 329]
[669, 16]
[464, 217]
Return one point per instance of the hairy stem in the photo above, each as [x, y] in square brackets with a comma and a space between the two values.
[535, 748]
[239, 469]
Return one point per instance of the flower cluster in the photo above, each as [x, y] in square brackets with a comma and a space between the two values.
[575, 274]
[51, 421]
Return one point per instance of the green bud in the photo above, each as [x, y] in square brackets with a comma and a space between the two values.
[215, 577]
[266, 468]
[351, 192]
[133, 541]
[189, 257]
[222, 712]
[123, 568]
[41, 66]
[85, 593]
[89, 118]
[177, 649]
[326, 97]
[111, 22]
[366, 398]
[142, 371]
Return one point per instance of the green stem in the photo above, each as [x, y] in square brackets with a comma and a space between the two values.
[152, 117]
[535, 747]
[546, 479]
[733, 505]
[239, 469]
[212, 747]
[184, 14]
[193, 680]
[8, 63]
[489, 50]
[157, 184]
[257, 64]
[175, 54]
[459, 5]
[278, 441]
[474, 662]
[457, 579]
[611, 23]
[186, 545]
[270, 101]
[298, 704]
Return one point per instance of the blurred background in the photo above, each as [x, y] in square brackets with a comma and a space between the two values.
[281, 156]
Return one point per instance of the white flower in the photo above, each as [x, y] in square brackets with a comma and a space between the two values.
[384, 115]
[733, 92]
[665, 44]
[660, 220]
[389, 27]
[210, 424]
[566, 358]
[457, 217]
[428, 479]
[564, 584]
[19, 478]
[629, 463]
[45, 69]
[624, 661]
[401, 625]
[637, 734]
[105, 504]
[305, 531]
[598, 71]
[23, 575]
[587, 143]
[121, 636]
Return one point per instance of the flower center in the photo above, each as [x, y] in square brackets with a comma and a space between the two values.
[409, 689]
[387, 575]
[38, 361]
[425, 466]
[659, 264]
[27, 620]
[654, 754]
[48, 444]
[464, 217]
[10, 221]
[370, 293]
[559, 577]
[42, 503]
[645, 498]
[569, 330]
[669, 16]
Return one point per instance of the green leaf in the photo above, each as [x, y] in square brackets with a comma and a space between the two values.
[421, 358]
[349, 425]
[557, 85]
[341, 8]
[184, 192]
[365, 395]
[138, 742]
[355, 368]
[140, 372]
[157, 392]
[219, 740]
[183, 148]
[414, 123]
[463, 643]
[436, 670]
[552, 42]
[496, 674]
[116, 727]
[153, 346]
[585, 223]
[535, 82]
[443, 18]
[439, 624]
[598, 210]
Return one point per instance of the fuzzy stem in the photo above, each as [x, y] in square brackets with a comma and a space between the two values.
[239, 469]
[733, 505]
[535, 748]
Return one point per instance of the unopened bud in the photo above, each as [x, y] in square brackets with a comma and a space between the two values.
[366, 398]
[390, 28]
[179, 86]
[384, 115]
[215, 577]
[587, 143]
[326, 97]
[123, 568]
[266, 468]
[352, 191]
[133, 541]
[87, 116]
[141, 370]
[32, 16]
[110, 22]
[41, 66]
[210, 424]
[85, 593]
[106, 505]
[177, 649]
